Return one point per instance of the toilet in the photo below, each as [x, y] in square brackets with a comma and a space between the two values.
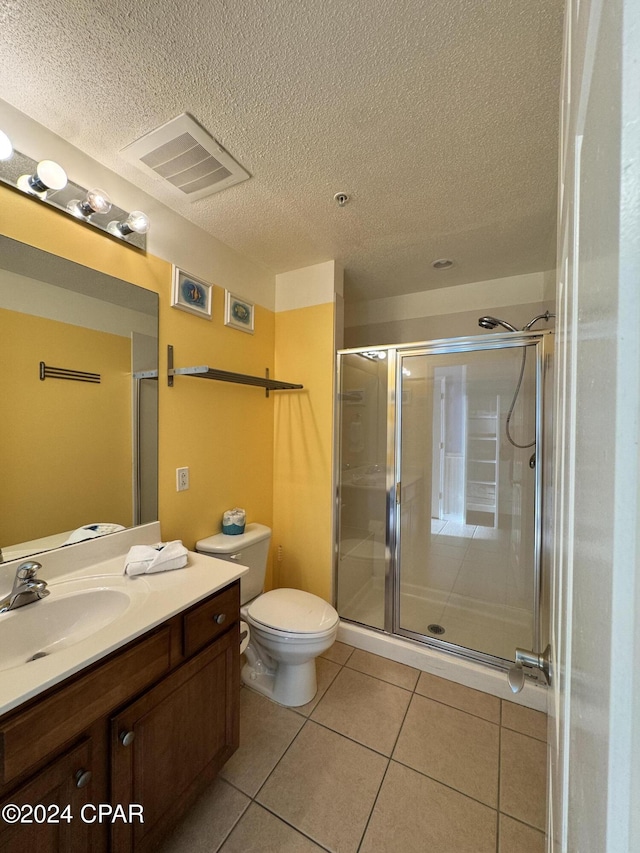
[288, 628]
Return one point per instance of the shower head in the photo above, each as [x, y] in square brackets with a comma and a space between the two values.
[492, 322]
[546, 317]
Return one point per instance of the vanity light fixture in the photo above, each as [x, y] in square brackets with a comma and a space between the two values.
[136, 221]
[95, 201]
[6, 148]
[48, 176]
[46, 182]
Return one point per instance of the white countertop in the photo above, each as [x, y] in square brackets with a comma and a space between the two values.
[154, 599]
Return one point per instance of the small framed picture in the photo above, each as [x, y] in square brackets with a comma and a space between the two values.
[191, 294]
[238, 313]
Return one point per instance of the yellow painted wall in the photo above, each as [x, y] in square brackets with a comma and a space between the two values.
[303, 500]
[223, 432]
[65, 454]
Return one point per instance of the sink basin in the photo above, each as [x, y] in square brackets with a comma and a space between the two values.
[73, 611]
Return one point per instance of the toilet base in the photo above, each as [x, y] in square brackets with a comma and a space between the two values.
[289, 684]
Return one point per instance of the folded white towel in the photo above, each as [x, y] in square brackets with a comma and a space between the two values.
[90, 531]
[146, 559]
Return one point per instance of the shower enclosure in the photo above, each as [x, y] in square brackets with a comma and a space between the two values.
[439, 495]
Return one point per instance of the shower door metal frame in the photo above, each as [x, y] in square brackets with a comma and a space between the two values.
[394, 358]
[510, 340]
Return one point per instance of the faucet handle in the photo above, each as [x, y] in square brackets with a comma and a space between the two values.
[524, 657]
[28, 571]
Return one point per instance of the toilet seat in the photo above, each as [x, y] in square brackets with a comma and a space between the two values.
[292, 613]
[288, 635]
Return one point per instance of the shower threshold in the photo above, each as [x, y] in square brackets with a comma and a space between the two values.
[453, 667]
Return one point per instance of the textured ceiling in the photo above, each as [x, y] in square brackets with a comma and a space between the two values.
[438, 117]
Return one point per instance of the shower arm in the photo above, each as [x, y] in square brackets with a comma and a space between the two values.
[546, 317]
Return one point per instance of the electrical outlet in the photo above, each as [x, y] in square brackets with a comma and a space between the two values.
[182, 479]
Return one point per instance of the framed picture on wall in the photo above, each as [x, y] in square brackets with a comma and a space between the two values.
[238, 313]
[191, 294]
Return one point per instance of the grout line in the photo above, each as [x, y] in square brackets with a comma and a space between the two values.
[384, 680]
[375, 677]
[273, 769]
[240, 816]
[445, 785]
[307, 716]
[351, 739]
[460, 710]
[404, 719]
[524, 823]
[292, 826]
[373, 805]
[525, 734]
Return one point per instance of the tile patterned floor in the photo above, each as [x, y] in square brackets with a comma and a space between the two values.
[385, 759]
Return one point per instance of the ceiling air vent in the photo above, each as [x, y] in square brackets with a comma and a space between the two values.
[183, 154]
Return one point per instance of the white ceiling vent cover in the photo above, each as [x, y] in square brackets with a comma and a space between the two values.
[183, 154]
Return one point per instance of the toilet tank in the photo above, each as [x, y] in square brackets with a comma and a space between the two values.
[250, 548]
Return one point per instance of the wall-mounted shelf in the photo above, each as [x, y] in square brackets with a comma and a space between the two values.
[204, 372]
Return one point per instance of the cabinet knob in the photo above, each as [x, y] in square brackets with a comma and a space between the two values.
[82, 777]
[219, 618]
[126, 738]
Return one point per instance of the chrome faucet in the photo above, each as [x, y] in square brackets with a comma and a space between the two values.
[26, 587]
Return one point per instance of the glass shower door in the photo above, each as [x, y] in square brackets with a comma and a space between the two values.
[467, 552]
[362, 557]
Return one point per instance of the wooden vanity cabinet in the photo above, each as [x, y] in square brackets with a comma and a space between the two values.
[153, 723]
[50, 792]
[172, 742]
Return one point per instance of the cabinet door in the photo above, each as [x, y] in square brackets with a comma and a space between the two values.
[50, 792]
[172, 742]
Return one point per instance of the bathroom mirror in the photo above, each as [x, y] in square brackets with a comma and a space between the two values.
[79, 358]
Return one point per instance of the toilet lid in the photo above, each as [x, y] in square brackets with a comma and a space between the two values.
[293, 610]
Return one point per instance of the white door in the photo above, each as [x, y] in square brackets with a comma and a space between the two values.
[595, 702]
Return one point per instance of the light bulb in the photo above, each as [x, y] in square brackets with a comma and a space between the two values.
[48, 176]
[96, 201]
[6, 148]
[136, 221]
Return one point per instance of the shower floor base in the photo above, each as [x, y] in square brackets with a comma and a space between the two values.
[460, 670]
[494, 629]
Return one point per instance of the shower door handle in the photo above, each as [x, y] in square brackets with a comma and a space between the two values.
[515, 675]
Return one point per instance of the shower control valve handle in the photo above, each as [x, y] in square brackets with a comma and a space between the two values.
[515, 677]
[524, 657]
